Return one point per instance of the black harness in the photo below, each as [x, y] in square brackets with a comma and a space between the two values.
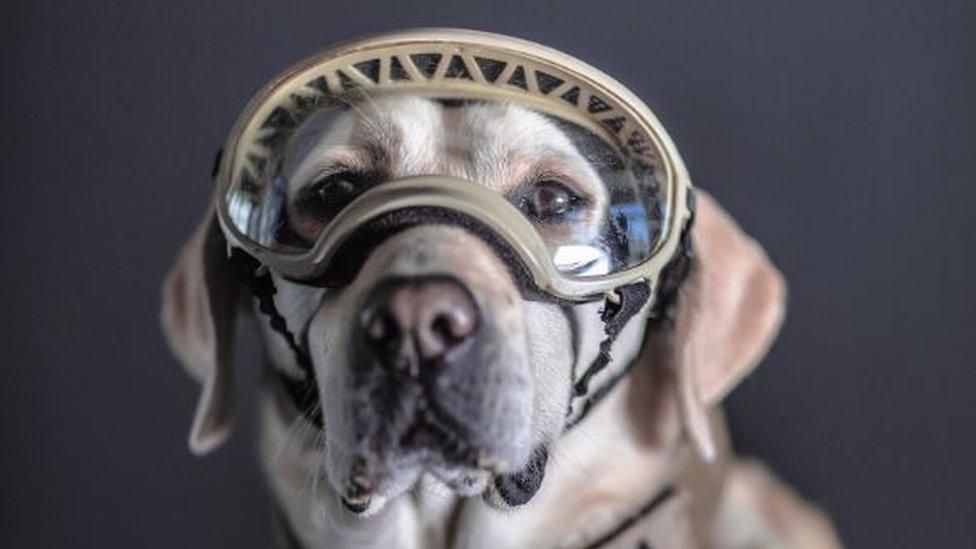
[642, 513]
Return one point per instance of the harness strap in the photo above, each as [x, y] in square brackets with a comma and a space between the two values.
[653, 504]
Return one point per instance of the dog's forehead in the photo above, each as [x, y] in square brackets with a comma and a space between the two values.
[488, 143]
[500, 131]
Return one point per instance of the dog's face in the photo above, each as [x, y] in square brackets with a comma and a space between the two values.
[430, 360]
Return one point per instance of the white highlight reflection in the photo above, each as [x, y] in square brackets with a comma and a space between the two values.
[581, 260]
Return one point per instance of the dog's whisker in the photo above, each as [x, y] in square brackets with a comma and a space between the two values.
[297, 433]
[314, 478]
[568, 455]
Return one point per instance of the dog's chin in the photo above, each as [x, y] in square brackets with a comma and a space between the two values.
[365, 494]
[464, 428]
[375, 479]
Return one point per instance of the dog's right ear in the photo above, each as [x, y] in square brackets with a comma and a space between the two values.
[727, 313]
[200, 302]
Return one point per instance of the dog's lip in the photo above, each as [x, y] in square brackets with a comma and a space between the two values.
[359, 485]
[464, 483]
[427, 441]
[364, 488]
[423, 434]
[357, 505]
[433, 430]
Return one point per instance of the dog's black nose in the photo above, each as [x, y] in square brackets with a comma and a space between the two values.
[418, 320]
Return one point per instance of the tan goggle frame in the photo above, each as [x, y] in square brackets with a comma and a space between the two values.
[456, 64]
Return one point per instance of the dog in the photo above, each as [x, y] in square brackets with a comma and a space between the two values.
[657, 442]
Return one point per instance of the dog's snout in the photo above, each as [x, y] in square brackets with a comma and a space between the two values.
[415, 320]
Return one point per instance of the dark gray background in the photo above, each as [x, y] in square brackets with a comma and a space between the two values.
[841, 134]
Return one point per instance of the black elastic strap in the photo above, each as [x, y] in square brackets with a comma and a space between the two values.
[615, 315]
[303, 392]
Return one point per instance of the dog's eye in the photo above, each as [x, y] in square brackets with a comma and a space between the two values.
[324, 198]
[549, 199]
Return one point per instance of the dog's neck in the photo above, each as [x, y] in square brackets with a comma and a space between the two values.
[600, 474]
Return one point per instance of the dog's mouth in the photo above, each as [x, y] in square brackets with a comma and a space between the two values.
[430, 443]
[462, 431]
[433, 430]
[422, 439]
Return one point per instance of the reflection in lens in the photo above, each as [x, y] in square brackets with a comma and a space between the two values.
[581, 260]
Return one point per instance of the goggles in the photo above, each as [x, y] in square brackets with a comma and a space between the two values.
[558, 161]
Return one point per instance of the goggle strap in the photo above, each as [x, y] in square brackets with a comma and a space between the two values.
[618, 311]
[303, 392]
[615, 315]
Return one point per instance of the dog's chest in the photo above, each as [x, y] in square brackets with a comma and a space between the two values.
[437, 508]
[664, 522]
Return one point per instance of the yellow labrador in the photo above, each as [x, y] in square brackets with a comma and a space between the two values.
[650, 467]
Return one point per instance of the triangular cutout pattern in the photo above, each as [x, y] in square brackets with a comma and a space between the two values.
[547, 82]
[426, 62]
[491, 68]
[370, 69]
[397, 72]
[346, 82]
[302, 103]
[279, 118]
[320, 84]
[571, 96]
[637, 143]
[518, 78]
[598, 105]
[615, 124]
[458, 69]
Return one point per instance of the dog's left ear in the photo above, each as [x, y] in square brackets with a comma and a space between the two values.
[727, 314]
[200, 302]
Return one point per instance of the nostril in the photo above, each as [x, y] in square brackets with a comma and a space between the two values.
[446, 318]
[453, 326]
[444, 328]
[383, 335]
[381, 328]
[446, 331]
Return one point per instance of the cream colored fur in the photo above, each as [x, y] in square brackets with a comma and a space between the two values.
[661, 426]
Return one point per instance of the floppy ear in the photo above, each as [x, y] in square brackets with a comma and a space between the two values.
[200, 298]
[727, 314]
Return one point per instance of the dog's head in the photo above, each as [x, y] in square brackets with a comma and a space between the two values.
[433, 358]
